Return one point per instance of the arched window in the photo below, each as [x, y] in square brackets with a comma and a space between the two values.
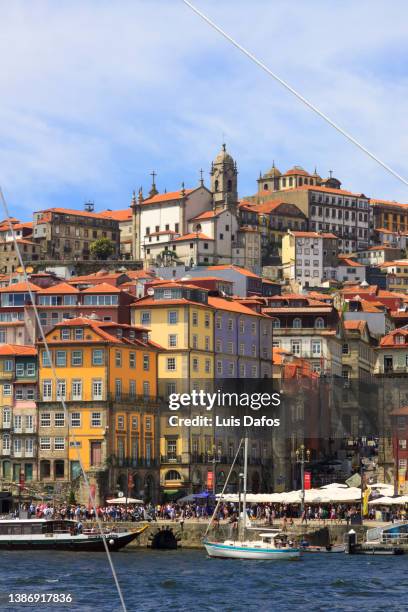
[266, 187]
[300, 181]
[297, 323]
[319, 323]
[229, 185]
[290, 182]
[216, 185]
[172, 475]
[276, 324]
[197, 227]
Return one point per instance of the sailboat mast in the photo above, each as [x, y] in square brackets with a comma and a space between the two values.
[244, 515]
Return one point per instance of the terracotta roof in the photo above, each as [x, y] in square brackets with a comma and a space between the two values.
[383, 247]
[330, 190]
[232, 306]
[166, 197]
[17, 350]
[389, 339]
[193, 236]
[397, 262]
[19, 287]
[345, 261]
[351, 325]
[207, 214]
[70, 211]
[296, 170]
[60, 288]
[118, 215]
[102, 288]
[149, 301]
[312, 234]
[135, 274]
[376, 202]
[269, 206]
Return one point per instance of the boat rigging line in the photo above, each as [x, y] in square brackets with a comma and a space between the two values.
[61, 399]
[295, 93]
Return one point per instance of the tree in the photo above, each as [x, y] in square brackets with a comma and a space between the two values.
[103, 248]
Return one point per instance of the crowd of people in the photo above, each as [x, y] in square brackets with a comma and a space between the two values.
[268, 514]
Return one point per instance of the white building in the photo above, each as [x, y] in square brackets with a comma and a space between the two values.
[309, 258]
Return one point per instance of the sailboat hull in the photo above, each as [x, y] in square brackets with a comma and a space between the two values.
[238, 550]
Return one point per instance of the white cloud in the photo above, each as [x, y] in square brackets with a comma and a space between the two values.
[95, 94]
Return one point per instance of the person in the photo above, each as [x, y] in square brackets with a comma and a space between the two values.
[181, 519]
[233, 525]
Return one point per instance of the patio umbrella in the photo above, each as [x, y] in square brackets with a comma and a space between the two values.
[124, 500]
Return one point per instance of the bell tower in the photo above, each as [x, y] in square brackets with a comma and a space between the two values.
[224, 179]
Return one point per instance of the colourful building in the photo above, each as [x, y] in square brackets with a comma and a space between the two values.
[107, 375]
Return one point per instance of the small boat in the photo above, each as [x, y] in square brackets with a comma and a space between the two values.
[389, 540]
[270, 545]
[329, 548]
[47, 534]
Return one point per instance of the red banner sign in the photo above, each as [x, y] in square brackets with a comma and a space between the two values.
[210, 480]
[22, 479]
[308, 480]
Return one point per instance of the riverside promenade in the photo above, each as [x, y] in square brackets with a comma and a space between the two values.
[172, 534]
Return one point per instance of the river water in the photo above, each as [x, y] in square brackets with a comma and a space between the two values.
[188, 580]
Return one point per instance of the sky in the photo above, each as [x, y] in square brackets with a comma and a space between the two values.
[96, 94]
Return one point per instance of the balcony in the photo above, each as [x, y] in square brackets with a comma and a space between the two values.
[172, 459]
[128, 462]
[5, 452]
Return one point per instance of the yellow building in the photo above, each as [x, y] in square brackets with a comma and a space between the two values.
[107, 375]
[180, 320]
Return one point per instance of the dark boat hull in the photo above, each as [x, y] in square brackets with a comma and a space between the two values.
[91, 544]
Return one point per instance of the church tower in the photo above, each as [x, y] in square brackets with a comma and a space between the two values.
[224, 180]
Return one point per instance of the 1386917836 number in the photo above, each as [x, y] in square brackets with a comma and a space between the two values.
[46, 598]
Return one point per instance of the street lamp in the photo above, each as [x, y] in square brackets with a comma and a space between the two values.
[216, 458]
[302, 457]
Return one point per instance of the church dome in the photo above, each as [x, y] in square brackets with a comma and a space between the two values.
[223, 156]
[298, 170]
[273, 172]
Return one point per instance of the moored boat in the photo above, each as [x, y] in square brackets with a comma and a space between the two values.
[44, 534]
[389, 540]
[329, 548]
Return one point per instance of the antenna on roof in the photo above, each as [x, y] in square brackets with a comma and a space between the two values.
[89, 206]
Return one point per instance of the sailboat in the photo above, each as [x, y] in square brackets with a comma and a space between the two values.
[272, 544]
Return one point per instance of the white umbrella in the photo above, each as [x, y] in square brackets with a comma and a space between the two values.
[334, 485]
[382, 501]
[124, 500]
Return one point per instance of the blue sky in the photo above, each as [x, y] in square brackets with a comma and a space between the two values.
[96, 94]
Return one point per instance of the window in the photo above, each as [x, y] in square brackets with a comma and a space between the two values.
[45, 359]
[295, 347]
[135, 422]
[7, 390]
[242, 370]
[207, 343]
[172, 317]
[29, 447]
[241, 327]
[345, 349]
[242, 348]
[6, 442]
[19, 369]
[297, 323]
[254, 371]
[77, 389]
[75, 419]
[230, 324]
[59, 443]
[132, 388]
[207, 320]
[148, 424]
[96, 419]
[97, 357]
[219, 367]
[316, 347]
[6, 417]
[118, 359]
[47, 390]
[118, 389]
[19, 393]
[29, 421]
[195, 364]
[195, 318]
[195, 341]
[121, 422]
[319, 324]
[45, 443]
[253, 350]
[207, 366]
[218, 322]
[61, 389]
[146, 363]
[79, 333]
[45, 419]
[17, 421]
[59, 419]
[145, 317]
[65, 334]
[253, 328]
[146, 388]
[97, 389]
[76, 358]
[171, 364]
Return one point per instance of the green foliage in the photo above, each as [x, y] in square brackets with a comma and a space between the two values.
[103, 248]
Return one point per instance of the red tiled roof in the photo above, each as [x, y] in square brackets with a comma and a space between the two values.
[207, 214]
[60, 288]
[118, 215]
[389, 339]
[166, 197]
[70, 211]
[295, 170]
[102, 288]
[345, 261]
[376, 202]
[312, 234]
[20, 287]
[330, 190]
[243, 271]
[193, 236]
[232, 306]
[355, 325]
[17, 350]
[271, 205]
